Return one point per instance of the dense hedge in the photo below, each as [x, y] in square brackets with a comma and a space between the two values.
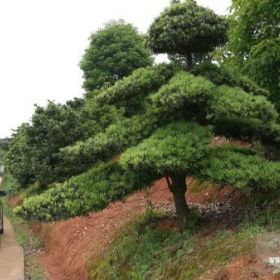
[91, 191]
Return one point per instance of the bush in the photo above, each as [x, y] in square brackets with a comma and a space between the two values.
[90, 191]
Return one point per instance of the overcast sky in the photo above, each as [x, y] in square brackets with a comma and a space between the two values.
[42, 42]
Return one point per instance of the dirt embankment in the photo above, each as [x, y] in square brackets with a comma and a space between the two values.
[70, 244]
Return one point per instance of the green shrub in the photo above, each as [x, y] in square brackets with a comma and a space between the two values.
[90, 191]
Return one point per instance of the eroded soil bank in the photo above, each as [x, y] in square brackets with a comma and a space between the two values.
[69, 245]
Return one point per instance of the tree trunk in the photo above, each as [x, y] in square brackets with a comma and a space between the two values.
[190, 62]
[178, 188]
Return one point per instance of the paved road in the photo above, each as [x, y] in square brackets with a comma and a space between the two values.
[11, 255]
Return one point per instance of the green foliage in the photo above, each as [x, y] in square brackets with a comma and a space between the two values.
[4, 143]
[184, 92]
[9, 184]
[141, 82]
[243, 169]
[264, 67]
[221, 75]
[254, 41]
[95, 117]
[114, 140]
[236, 112]
[34, 150]
[187, 29]
[90, 191]
[53, 127]
[114, 52]
[174, 149]
[17, 158]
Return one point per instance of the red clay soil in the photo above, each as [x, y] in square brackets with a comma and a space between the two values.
[70, 244]
[245, 268]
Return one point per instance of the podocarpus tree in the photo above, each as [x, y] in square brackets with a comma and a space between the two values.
[114, 52]
[183, 107]
[174, 151]
[187, 30]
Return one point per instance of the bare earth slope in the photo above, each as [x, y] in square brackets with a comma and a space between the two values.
[70, 244]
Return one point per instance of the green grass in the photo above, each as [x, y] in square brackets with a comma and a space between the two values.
[144, 251]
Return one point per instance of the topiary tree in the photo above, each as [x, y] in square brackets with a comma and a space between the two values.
[175, 152]
[188, 30]
[114, 52]
[170, 136]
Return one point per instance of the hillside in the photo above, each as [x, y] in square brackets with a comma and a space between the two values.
[160, 170]
[223, 243]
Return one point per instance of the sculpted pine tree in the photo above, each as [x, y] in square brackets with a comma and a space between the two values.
[187, 30]
[168, 132]
[175, 152]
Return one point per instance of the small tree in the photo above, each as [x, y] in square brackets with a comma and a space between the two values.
[175, 152]
[187, 30]
[114, 52]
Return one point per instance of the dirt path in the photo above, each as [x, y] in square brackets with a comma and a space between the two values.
[11, 254]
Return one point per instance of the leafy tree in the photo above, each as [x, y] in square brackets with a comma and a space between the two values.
[17, 158]
[34, 150]
[254, 41]
[114, 52]
[187, 30]
[53, 127]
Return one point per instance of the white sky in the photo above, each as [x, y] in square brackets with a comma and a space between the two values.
[42, 42]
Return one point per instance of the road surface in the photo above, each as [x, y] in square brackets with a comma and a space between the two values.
[11, 255]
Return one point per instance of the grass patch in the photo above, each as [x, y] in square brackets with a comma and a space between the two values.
[143, 250]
